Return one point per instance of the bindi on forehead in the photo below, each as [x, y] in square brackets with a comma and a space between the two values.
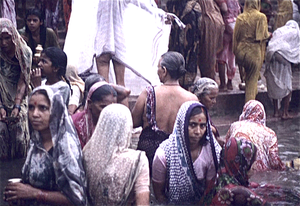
[35, 103]
[199, 120]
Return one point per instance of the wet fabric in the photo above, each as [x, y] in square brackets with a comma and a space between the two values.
[226, 55]
[8, 11]
[182, 185]
[63, 169]
[14, 136]
[110, 29]
[286, 43]
[249, 44]
[114, 170]
[83, 121]
[151, 136]
[211, 42]
[186, 41]
[284, 13]
[236, 159]
[252, 125]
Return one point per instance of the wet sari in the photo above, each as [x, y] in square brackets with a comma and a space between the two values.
[252, 123]
[249, 44]
[114, 171]
[60, 168]
[232, 186]
[14, 136]
[186, 41]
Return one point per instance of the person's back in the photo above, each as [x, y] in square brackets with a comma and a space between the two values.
[168, 101]
[252, 124]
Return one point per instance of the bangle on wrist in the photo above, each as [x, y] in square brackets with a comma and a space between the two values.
[18, 107]
[2, 107]
[41, 196]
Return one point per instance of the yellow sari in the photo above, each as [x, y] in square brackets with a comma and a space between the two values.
[249, 44]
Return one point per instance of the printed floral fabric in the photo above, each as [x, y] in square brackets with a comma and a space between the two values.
[251, 125]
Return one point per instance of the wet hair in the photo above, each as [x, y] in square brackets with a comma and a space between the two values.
[59, 60]
[36, 12]
[89, 82]
[174, 63]
[103, 91]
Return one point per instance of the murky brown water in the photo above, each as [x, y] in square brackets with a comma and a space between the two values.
[288, 133]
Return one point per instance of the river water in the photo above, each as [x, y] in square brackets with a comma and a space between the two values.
[288, 134]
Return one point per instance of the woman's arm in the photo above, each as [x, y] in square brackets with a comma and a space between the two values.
[21, 89]
[20, 191]
[138, 110]
[122, 92]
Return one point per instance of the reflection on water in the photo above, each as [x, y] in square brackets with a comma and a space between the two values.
[288, 134]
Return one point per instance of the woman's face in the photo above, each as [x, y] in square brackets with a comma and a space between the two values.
[45, 65]
[33, 22]
[97, 106]
[197, 128]
[39, 112]
[209, 100]
[6, 42]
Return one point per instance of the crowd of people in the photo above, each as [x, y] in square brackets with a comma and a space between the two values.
[75, 132]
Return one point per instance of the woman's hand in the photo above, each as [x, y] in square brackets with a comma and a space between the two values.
[2, 113]
[36, 77]
[15, 112]
[19, 191]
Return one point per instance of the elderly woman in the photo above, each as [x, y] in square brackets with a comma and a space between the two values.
[283, 49]
[53, 172]
[14, 84]
[185, 164]
[156, 107]
[207, 91]
[252, 123]
[116, 175]
[249, 43]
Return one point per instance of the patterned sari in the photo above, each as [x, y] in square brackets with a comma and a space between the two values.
[60, 168]
[182, 185]
[252, 124]
[236, 159]
[14, 136]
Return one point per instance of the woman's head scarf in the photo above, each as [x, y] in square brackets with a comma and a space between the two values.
[85, 123]
[67, 154]
[183, 185]
[236, 160]
[111, 166]
[254, 111]
[23, 52]
[286, 41]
